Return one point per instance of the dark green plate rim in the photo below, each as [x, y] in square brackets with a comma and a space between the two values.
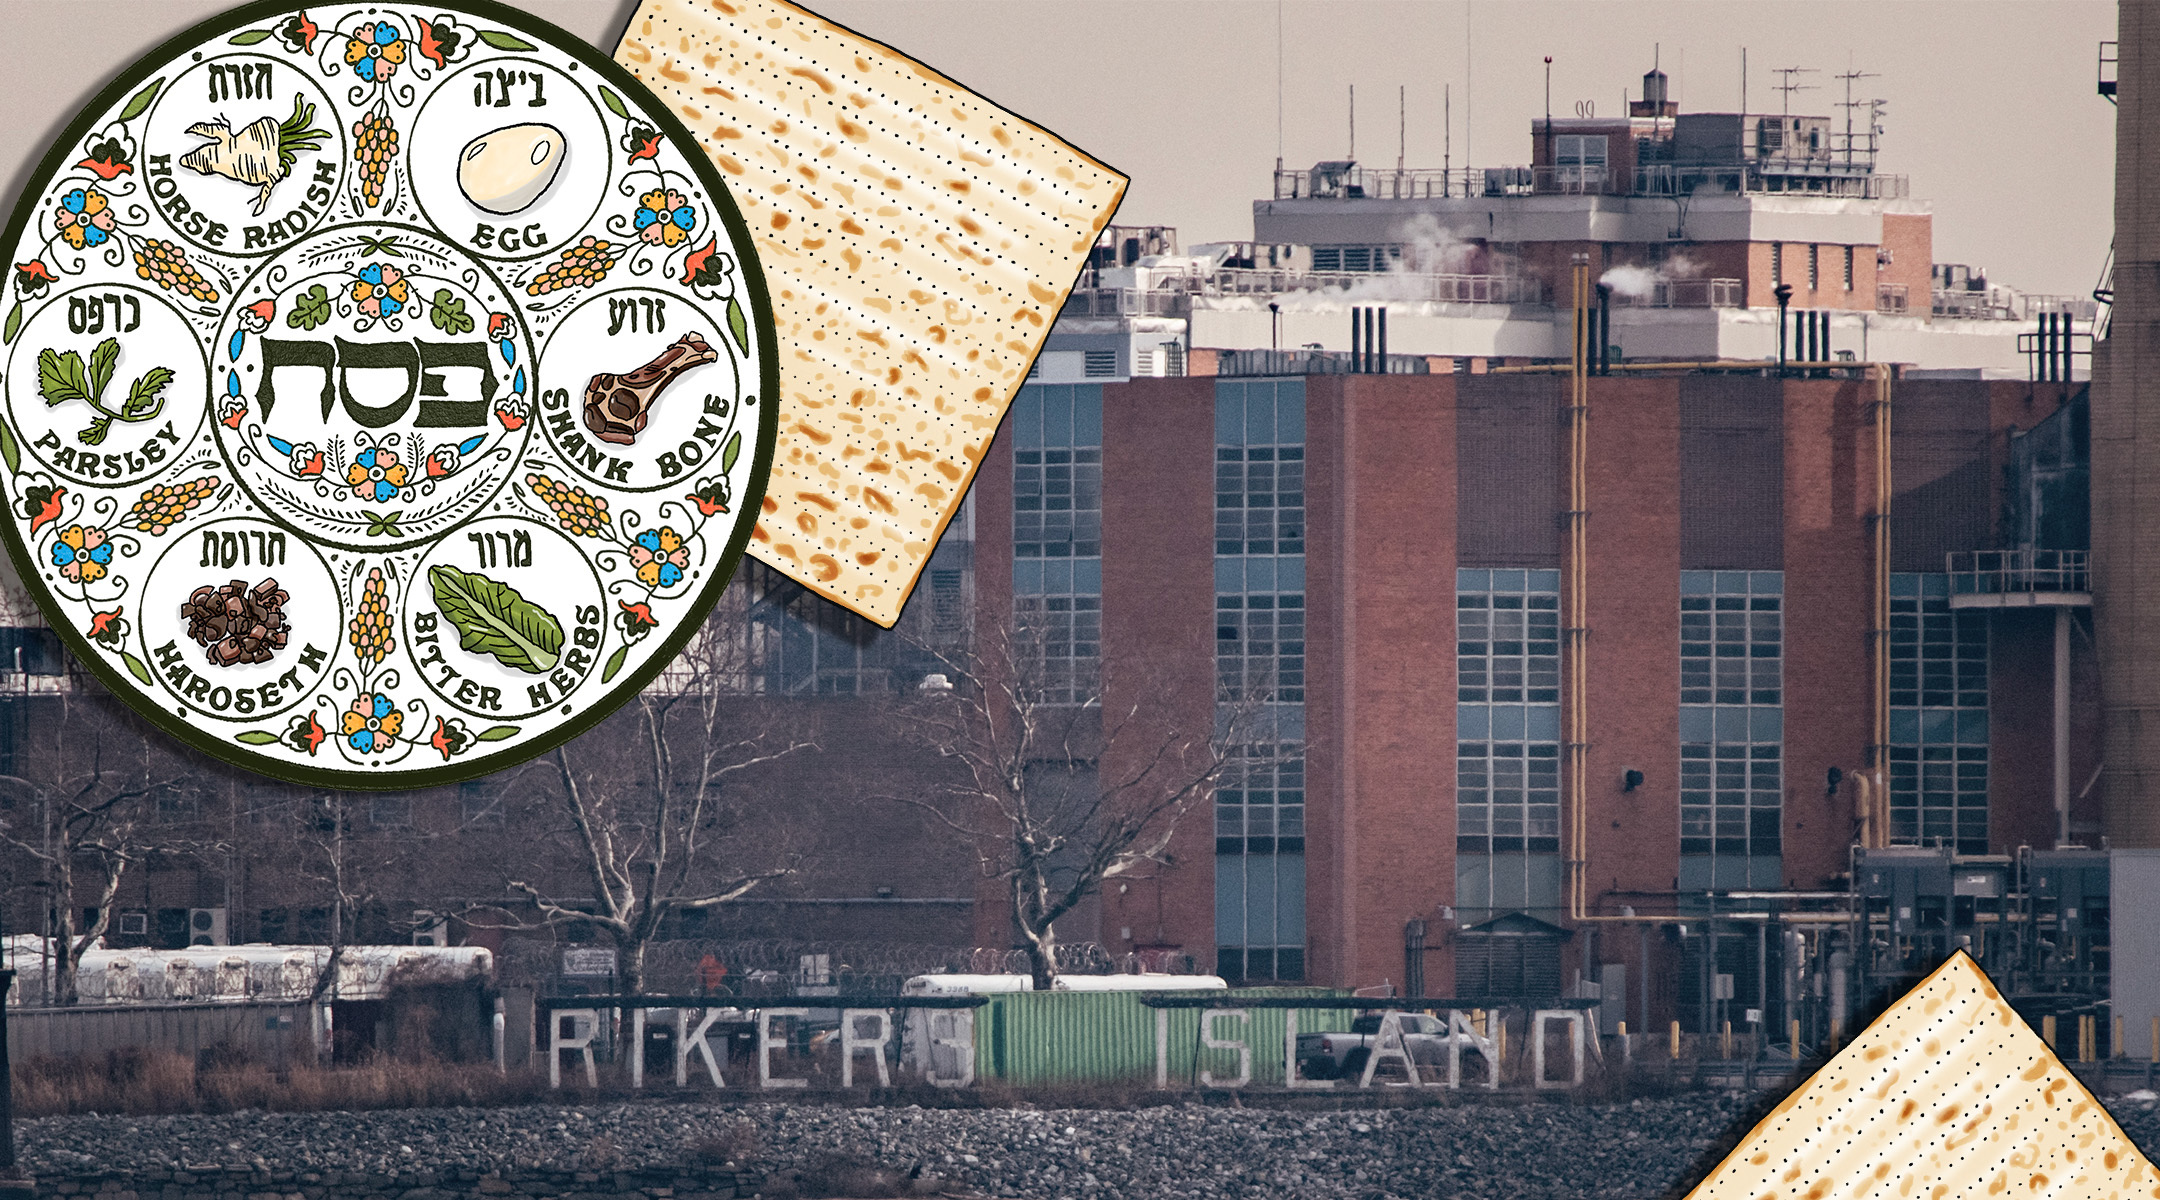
[129, 689]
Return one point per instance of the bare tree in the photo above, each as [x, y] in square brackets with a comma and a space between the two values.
[1058, 792]
[649, 815]
[93, 805]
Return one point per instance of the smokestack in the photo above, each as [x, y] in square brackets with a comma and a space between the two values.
[1601, 349]
[1380, 358]
[1357, 339]
[2125, 454]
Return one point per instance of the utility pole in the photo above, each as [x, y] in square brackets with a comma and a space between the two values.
[13, 1184]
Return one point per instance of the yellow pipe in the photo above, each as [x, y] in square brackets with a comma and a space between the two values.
[1575, 620]
[1730, 364]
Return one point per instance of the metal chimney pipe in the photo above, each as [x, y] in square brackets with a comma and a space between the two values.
[1380, 356]
[1357, 345]
[1601, 350]
[2125, 454]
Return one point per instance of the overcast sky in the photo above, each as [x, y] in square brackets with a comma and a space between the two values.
[1991, 106]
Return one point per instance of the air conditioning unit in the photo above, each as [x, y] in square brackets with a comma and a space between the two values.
[134, 923]
[432, 930]
[206, 927]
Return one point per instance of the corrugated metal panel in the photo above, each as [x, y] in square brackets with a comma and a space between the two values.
[1508, 459]
[1107, 1037]
[1939, 470]
[273, 1032]
[1732, 473]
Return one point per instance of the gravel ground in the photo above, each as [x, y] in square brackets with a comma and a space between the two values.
[1638, 1150]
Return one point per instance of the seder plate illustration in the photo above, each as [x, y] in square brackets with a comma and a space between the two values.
[388, 390]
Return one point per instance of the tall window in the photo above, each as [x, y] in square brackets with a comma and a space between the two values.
[1057, 533]
[1507, 753]
[1579, 161]
[1777, 263]
[1732, 720]
[1260, 651]
[1848, 268]
[1938, 717]
[1814, 264]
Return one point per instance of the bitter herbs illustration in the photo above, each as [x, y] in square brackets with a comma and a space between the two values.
[492, 618]
[64, 377]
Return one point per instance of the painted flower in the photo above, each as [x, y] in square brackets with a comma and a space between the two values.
[374, 51]
[41, 504]
[108, 628]
[510, 410]
[712, 498]
[32, 278]
[380, 290]
[256, 317]
[450, 737]
[305, 733]
[109, 158]
[707, 266]
[501, 326]
[84, 218]
[443, 41]
[665, 218]
[371, 725]
[635, 620]
[660, 557]
[82, 553]
[441, 461]
[376, 475]
[307, 460]
[642, 141]
[298, 33]
[231, 412]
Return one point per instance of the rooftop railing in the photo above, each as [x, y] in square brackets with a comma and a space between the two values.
[1774, 176]
[2007, 572]
[1685, 293]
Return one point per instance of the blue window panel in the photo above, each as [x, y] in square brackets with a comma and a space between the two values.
[1290, 572]
[1290, 412]
[1229, 899]
[1766, 583]
[1027, 577]
[1473, 722]
[1972, 727]
[1260, 575]
[1290, 909]
[1938, 726]
[1732, 583]
[1229, 414]
[1025, 420]
[1695, 723]
[1542, 723]
[1698, 583]
[1730, 724]
[1507, 581]
[1934, 587]
[1057, 417]
[1260, 418]
[1544, 581]
[1087, 415]
[1905, 726]
[1507, 722]
[1057, 578]
[1766, 725]
[1260, 898]
[1904, 584]
[1467, 580]
[1229, 576]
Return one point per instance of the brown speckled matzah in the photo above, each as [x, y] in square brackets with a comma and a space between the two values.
[918, 242]
[1947, 1095]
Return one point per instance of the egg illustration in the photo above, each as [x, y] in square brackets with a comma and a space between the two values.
[507, 170]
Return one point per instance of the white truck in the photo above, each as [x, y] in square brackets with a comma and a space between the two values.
[1343, 1055]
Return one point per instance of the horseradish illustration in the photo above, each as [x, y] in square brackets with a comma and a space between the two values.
[508, 170]
[261, 153]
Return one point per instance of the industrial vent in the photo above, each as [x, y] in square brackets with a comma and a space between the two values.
[206, 927]
[1505, 964]
[1100, 363]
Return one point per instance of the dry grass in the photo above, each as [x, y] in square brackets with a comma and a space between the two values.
[143, 1082]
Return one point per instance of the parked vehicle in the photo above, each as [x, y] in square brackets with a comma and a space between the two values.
[1344, 1055]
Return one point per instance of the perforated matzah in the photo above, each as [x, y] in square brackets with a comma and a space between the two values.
[1947, 1094]
[918, 242]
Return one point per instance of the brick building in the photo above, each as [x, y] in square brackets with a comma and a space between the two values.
[1389, 551]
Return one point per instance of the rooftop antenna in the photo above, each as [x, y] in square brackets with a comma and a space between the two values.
[1849, 105]
[1402, 131]
[1743, 81]
[1789, 87]
[1278, 86]
[1447, 135]
[1353, 122]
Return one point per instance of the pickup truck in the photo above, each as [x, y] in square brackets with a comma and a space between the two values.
[1343, 1055]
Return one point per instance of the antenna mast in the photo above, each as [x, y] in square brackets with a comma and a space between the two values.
[1849, 105]
[1789, 87]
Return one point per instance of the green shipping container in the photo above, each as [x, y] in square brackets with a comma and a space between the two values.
[1109, 1037]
